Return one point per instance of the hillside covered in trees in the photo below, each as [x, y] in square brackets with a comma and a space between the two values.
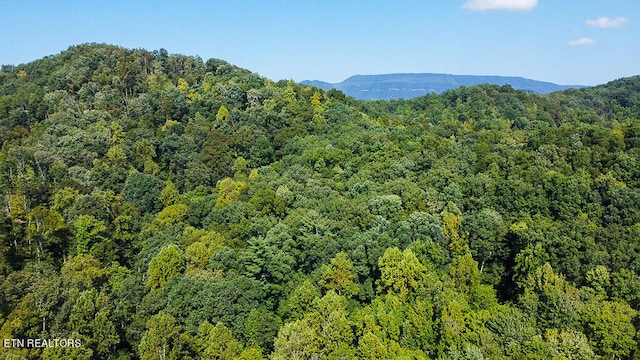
[159, 206]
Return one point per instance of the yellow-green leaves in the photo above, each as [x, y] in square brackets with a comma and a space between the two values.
[223, 113]
[370, 347]
[88, 230]
[169, 194]
[159, 341]
[82, 271]
[217, 342]
[339, 276]
[229, 191]
[169, 263]
[295, 340]
[400, 272]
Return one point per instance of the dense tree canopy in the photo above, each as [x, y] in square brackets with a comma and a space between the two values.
[161, 206]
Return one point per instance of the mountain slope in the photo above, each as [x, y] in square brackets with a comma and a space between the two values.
[407, 86]
[154, 201]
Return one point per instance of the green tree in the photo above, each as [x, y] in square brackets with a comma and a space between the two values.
[464, 274]
[300, 300]
[458, 242]
[250, 353]
[197, 256]
[626, 286]
[338, 276]
[400, 272]
[609, 326]
[568, 345]
[143, 190]
[453, 327]
[370, 347]
[295, 340]
[600, 279]
[217, 342]
[554, 302]
[160, 338]
[89, 317]
[104, 333]
[223, 113]
[169, 263]
[48, 230]
[532, 257]
[318, 110]
[387, 206]
[229, 191]
[331, 325]
[169, 194]
[261, 327]
[487, 230]
[82, 271]
[269, 259]
[420, 330]
[88, 231]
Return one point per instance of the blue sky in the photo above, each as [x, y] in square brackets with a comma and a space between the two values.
[585, 42]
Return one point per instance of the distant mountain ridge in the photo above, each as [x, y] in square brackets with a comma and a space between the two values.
[407, 85]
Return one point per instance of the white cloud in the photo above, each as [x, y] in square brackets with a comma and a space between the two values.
[582, 42]
[508, 5]
[605, 22]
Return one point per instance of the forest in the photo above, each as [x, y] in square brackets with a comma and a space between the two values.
[160, 206]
